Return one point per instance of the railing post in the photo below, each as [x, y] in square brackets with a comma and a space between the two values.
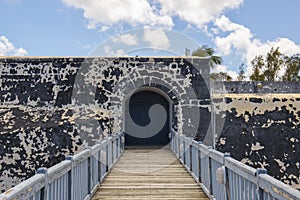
[124, 142]
[112, 150]
[171, 141]
[227, 189]
[259, 191]
[211, 192]
[178, 146]
[89, 168]
[99, 162]
[44, 194]
[103, 159]
[175, 145]
[199, 162]
[191, 156]
[106, 154]
[71, 179]
[122, 145]
[173, 138]
[117, 146]
[184, 157]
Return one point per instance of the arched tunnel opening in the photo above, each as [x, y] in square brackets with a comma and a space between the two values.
[147, 119]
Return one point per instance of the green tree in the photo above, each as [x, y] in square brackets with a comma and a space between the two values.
[274, 62]
[205, 51]
[187, 52]
[241, 75]
[220, 76]
[257, 63]
[267, 68]
[292, 68]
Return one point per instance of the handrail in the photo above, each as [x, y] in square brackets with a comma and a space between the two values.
[219, 175]
[222, 177]
[77, 177]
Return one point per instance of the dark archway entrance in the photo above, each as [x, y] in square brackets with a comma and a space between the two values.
[147, 119]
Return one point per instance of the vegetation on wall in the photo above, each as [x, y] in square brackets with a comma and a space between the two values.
[241, 76]
[224, 76]
[274, 66]
[206, 51]
[268, 67]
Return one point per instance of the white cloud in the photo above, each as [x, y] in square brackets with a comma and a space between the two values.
[104, 28]
[8, 49]
[223, 68]
[239, 36]
[242, 41]
[133, 12]
[110, 52]
[152, 13]
[127, 39]
[198, 12]
[156, 38]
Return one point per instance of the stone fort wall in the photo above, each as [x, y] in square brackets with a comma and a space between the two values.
[53, 107]
[259, 124]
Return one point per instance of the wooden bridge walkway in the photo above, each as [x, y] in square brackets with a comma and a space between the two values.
[149, 173]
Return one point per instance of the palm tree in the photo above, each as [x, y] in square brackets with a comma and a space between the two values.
[205, 51]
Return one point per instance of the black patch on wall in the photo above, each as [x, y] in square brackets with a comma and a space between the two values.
[240, 135]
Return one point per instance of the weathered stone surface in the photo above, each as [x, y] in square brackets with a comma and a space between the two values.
[263, 131]
[52, 107]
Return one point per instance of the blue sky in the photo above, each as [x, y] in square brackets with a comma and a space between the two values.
[237, 29]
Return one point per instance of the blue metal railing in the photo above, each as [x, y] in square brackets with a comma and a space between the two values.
[77, 177]
[220, 176]
[224, 178]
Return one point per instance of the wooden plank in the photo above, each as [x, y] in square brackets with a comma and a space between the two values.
[149, 173]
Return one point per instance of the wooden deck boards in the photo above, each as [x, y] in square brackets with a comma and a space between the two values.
[149, 173]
